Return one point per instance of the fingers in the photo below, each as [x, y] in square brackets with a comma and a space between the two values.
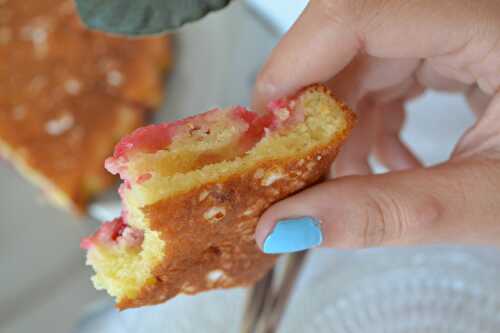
[315, 48]
[483, 139]
[382, 79]
[478, 100]
[353, 158]
[429, 77]
[421, 29]
[330, 33]
[455, 202]
[363, 84]
[388, 147]
[378, 132]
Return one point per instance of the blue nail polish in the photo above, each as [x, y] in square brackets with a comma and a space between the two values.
[292, 235]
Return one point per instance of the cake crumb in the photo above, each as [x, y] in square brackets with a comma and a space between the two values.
[60, 125]
[248, 212]
[215, 275]
[296, 184]
[188, 288]
[114, 78]
[215, 214]
[310, 165]
[274, 192]
[272, 177]
[38, 36]
[259, 174]
[282, 114]
[203, 195]
[72, 86]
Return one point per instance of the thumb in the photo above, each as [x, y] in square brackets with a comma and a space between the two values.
[453, 202]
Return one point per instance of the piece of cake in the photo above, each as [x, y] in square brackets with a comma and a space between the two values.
[194, 189]
[67, 95]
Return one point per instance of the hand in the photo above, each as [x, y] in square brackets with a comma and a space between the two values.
[375, 55]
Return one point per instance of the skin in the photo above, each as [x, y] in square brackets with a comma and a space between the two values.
[376, 55]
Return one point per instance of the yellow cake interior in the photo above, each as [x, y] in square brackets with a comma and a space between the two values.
[123, 271]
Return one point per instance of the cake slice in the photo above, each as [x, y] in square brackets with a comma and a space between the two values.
[67, 95]
[194, 189]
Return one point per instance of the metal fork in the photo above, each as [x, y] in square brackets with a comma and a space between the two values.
[256, 302]
[266, 305]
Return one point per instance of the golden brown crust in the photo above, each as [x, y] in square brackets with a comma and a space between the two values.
[68, 94]
[209, 232]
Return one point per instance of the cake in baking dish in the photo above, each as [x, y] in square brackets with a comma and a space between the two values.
[194, 189]
[67, 95]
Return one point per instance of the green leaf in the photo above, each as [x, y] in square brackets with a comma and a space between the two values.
[143, 17]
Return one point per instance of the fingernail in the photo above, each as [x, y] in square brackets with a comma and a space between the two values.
[292, 235]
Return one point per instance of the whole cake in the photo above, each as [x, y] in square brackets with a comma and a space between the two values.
[194, 189]
[68, 94]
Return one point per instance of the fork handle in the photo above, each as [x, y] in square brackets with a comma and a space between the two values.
[276, 303]
[256, 300]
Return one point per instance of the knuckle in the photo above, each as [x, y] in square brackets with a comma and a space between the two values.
[388, 215]
[379, 211]
[387, 218]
